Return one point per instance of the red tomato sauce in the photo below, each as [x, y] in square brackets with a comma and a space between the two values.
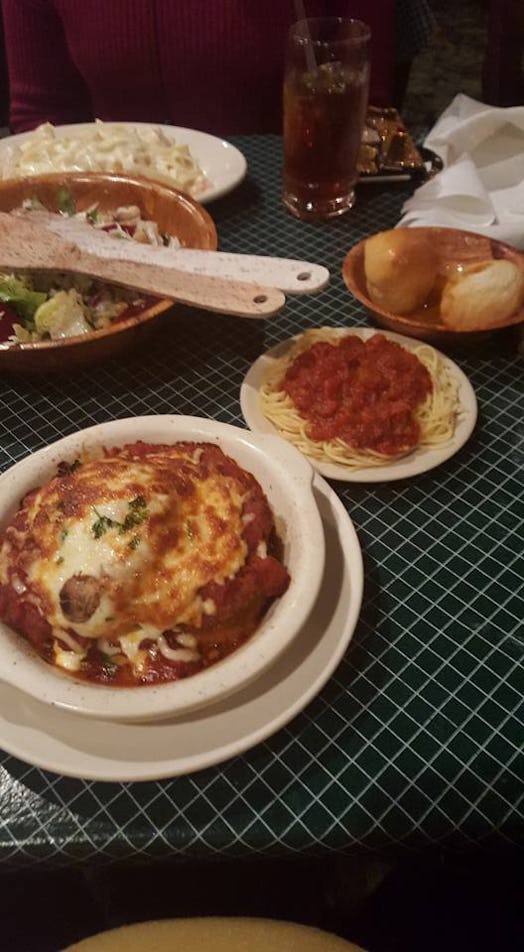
[362, 392]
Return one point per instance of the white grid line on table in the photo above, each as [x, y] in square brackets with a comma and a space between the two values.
[425, 554]
[505, 570]
[490, 521]
[103, 808]
[374, 781]
[29, 805]
[447, 662]
[476, 633]
[333, 738]
[423, 728]
[417, 693]
[481, 747]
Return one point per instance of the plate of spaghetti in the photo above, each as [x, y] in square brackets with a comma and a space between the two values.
[363, 406]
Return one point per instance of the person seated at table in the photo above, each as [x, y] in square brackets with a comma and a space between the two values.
[214, 65]
[414, 24]
[503, 63]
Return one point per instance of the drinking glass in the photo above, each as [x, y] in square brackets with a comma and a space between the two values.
[326, 86]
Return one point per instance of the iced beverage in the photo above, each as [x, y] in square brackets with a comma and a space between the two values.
[324, 109]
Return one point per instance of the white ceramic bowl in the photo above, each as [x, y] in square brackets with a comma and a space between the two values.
[286, 478]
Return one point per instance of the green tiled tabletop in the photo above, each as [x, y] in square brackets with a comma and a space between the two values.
[417, 738]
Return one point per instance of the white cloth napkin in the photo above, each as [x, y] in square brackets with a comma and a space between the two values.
[481, 187]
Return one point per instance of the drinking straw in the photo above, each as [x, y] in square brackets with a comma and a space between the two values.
[300, 13]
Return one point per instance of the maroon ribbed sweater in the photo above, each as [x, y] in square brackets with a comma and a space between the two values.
[207, 64]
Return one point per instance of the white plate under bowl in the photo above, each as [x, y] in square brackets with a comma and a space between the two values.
[420, 461]
[222, 163]
[79, 747]
[285, 477]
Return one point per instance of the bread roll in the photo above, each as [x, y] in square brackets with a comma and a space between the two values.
[400, 268]
[483, 294]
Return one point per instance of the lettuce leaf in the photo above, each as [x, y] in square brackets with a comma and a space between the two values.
[23, 300]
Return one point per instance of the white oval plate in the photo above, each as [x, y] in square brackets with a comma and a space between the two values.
[222, 163]
[417, 462]
[104, 750]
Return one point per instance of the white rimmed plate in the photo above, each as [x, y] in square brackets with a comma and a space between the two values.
[420, 461]
[79, 747]
[222, 163]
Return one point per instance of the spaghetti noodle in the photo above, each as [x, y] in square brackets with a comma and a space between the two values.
[362, 404]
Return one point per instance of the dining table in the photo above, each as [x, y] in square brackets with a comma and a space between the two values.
[414, 740]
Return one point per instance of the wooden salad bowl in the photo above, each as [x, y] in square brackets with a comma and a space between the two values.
[175, 214]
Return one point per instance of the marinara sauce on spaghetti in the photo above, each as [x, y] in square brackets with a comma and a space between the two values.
[362, 392]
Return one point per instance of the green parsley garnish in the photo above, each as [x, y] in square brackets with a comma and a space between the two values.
[138, 511]
[102, 524]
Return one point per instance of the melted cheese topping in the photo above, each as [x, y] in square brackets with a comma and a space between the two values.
[141, 537]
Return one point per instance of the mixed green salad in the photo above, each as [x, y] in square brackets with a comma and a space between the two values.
[49, 306]
[52, 305]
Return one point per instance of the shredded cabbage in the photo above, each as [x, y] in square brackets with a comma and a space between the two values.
[63, 315]
[18, 293]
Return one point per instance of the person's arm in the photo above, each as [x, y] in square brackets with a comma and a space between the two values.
[44, 84]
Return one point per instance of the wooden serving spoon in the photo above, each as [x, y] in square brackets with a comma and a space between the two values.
[287, 274]
[26, 244]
